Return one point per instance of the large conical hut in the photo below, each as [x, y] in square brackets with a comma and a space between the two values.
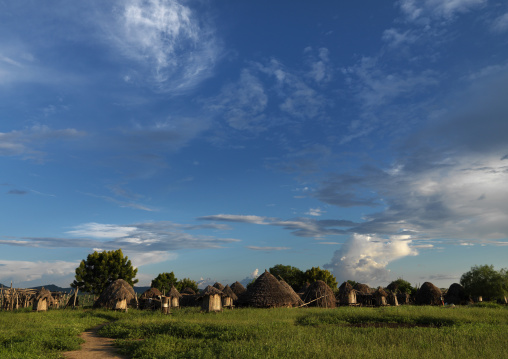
[219, 286]
[381, 297]
[238, 288]
[267, 292]
[119, 295]
[347, 295]
[296, 298]
[319, 294]
[175, 297]
[362, 288]
[211, 299]
[228, 297]
[150, 299]
[428, 294]
[42, 300]
[456, 294]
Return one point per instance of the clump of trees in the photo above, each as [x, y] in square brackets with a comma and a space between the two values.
[100, 269]
[296, 278]
[401, 286]
[485, 281]
[164, 281]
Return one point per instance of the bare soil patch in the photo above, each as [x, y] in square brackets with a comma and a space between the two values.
[95, 347]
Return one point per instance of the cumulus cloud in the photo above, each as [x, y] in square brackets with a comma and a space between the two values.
[364, 258]
[21, 273]
[168, 42]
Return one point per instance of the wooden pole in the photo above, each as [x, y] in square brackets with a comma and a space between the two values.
[75, 297]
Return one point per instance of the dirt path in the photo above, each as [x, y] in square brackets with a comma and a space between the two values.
[95, 347]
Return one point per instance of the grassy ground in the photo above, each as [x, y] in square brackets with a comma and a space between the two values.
[395, 332]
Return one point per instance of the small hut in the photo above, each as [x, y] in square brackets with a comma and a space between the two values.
[380, 296]
[296, 298]
[219, 286]
[347, 295]
[428, 294]
[238, 288]
[456, 294]
[267, 292]
[175, 297]
[392, 299]
[211, 299]
[319, 294]
[188, 291]
[119, 295]
[42, 300]
[403, 298]
[228, 298]
[150, 299]
[189, 298]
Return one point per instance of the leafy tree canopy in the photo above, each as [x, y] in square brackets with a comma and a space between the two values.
[164, 281]
[352, 282]
[100, 269]
[314, 274]
[402, 286]
[485, 281]
[292, 275]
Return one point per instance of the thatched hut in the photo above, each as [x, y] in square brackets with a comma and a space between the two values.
[303, 289]
[150, 299]
[218, 285]
[392, 299]
[189, 298]
[238, 288]
[381, 297]
[403, 298]
[211, 299]
[347, 295]
[42, 300]
[119, 295]
[319, 294]
[456, 294]
[175, 297]
[362, 288]
[267, 292]
[296, 298]
[228, 297]
[188, 291]
[428, 294]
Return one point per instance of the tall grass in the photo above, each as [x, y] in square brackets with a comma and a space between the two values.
[395, 332]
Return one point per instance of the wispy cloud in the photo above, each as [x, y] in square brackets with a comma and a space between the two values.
[169, 43]
[500, 24]
[426, 10]
[267, 249]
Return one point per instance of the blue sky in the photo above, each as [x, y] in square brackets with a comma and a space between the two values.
[217, 139]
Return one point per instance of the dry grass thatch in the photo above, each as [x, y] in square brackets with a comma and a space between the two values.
[428, 294]
[319, 294]
[238, 288]
[151, 293]
[219, 286]
[209, 290]
[267, 292]
[116, 292]
[362, 288]
[228, 292]
[296, 298]
[456, 294]
[188, 291]
[173, 293]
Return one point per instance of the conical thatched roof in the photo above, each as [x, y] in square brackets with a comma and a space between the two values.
[362, 288]
[219, 286]
[345, 287]
[151, 293]
[228, 292]
[188, 291]
[238, 288]
[173, 293]
[43, 294]
[116, 291]
[428, 294]
[456, 294]
[296, 298]
[267, 292]
[321, 290]
[380, 292]
[209, 290]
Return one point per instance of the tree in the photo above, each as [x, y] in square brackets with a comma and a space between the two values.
[164, 281]
[291, 275]
[314, 274]
[100, 269]
[485, 281]
[352, 282]
[186, 282]
[401, 286]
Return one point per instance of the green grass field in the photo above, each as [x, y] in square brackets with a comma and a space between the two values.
[393, 332]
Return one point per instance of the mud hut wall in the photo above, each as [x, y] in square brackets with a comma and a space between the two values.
[175, 302]
[227, 302]
[212, 303]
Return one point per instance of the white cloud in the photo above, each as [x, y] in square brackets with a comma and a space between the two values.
[26, 271]
[364, 258]
[316, 212]
[416, 10]
[500, 24]
[166, 38]
[395, 38]
[267, 249]
[99, 230]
